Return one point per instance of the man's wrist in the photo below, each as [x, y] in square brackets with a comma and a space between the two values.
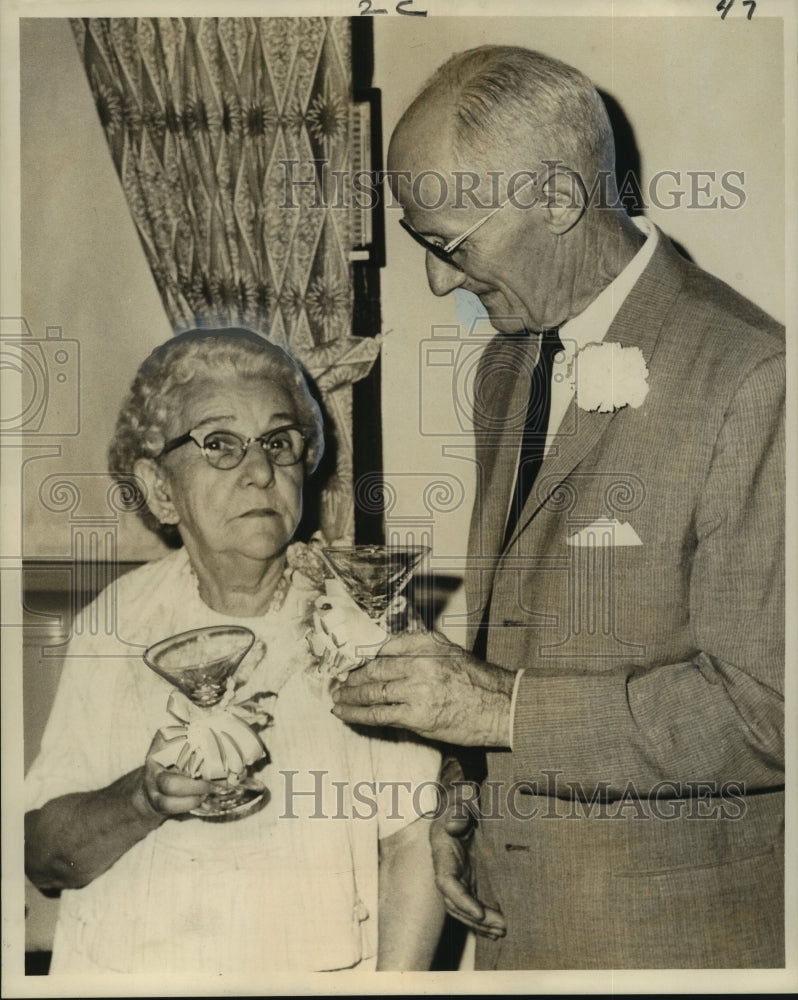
[500, 718]
[498, 685]
[503, 722]
[451, 771]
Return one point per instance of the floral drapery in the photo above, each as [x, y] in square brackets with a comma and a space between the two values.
[229, 136]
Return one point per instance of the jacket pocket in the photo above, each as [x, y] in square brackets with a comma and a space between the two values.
[725, 915]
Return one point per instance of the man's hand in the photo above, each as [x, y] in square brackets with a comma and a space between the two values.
[422, 682]
[450, 835]
[164, 790]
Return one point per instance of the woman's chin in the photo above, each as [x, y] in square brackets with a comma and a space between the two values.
[265, 548]
[261, 545]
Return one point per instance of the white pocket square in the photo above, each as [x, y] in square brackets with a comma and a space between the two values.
[606, 531]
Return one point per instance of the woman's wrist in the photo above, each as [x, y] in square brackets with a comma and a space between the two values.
[141, 802]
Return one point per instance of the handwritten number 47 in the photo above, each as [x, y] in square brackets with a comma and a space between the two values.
[366, 8]
[726, 5]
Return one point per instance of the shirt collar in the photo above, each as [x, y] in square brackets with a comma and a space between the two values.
[592, 324]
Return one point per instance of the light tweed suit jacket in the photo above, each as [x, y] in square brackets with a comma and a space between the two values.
[638, 820]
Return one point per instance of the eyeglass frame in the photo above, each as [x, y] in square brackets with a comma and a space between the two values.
[245, 442]
[446, 251]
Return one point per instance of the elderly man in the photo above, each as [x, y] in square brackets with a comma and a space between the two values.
[625, 578]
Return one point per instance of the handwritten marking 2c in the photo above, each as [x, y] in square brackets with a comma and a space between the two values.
[401, 8]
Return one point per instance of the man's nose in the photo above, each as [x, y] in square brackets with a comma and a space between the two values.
[442, 277]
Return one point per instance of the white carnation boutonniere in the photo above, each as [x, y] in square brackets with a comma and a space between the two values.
[609, 377]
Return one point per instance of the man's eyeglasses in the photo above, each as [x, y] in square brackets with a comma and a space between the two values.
[226, 450]
[445, 251]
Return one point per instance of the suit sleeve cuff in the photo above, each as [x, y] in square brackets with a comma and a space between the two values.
[513, 700]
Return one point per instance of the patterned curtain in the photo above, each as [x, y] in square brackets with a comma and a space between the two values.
[216, 126]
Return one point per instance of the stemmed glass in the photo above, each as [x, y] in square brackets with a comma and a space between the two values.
[201, 663]
[375, 576]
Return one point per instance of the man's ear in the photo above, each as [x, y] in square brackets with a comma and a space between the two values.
[156, 493]
[564, 199]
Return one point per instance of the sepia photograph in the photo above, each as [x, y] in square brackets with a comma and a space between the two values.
[397, 435]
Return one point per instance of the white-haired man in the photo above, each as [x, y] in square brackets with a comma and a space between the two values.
[625, 578]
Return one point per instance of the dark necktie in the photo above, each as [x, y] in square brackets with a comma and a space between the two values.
[533, 444]
[536, 424]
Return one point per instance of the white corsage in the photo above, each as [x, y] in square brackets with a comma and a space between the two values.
[343, 636]
[215, 742]
[609, 377]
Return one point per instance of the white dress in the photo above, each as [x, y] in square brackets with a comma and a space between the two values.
[290, 888]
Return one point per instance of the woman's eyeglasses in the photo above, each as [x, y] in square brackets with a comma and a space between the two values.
[226, 450]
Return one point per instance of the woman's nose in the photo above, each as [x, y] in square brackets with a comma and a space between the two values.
[256, 466]
[442, 277]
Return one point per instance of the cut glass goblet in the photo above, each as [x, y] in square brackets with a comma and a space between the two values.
[200, 663]
[375, 576]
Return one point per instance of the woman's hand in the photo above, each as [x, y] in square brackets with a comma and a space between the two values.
[164, 790]
[76, 837]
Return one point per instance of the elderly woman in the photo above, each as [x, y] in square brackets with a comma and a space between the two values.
[330, 873]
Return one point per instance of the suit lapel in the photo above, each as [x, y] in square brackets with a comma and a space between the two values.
[637, 324]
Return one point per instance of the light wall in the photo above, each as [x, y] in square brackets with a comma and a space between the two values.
[695, 99]
[83, 271]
